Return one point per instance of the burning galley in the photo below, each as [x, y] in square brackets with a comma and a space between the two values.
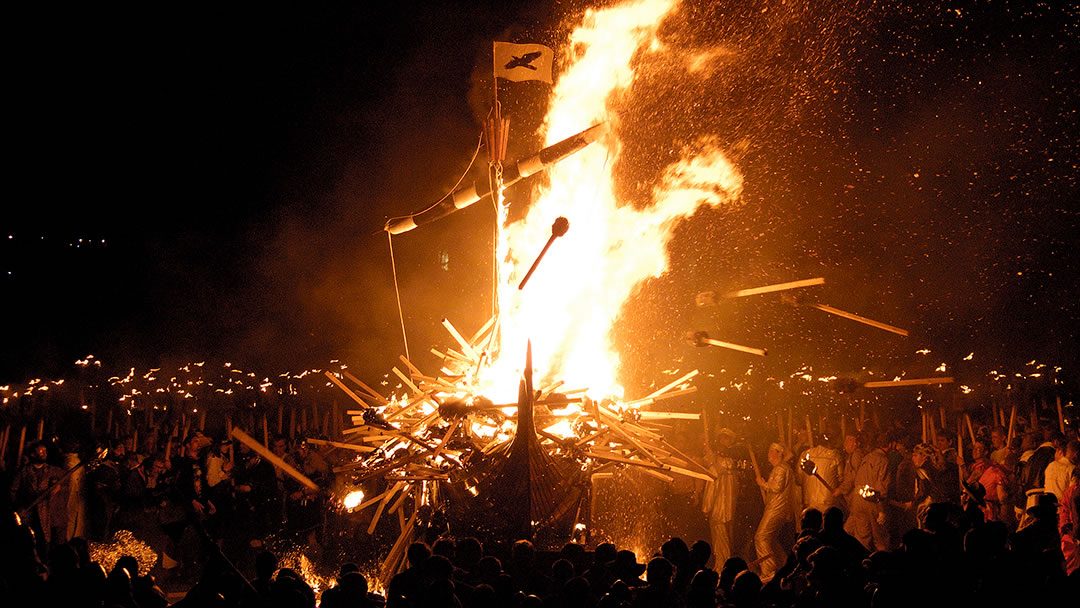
[504, 438]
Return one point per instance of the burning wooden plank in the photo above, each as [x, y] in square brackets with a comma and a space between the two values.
[342, 386]
[365, 387]
[462, 342]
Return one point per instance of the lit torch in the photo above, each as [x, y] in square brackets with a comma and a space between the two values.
[353, 499]
[870, 494]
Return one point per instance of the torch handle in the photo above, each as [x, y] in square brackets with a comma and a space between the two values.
[823, 482]
[536, 262]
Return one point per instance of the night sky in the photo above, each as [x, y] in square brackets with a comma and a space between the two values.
[227, 171]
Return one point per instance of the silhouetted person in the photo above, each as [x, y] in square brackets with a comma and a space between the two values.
[407, 587]
[658, 592]
[746, 591]
[834, 534]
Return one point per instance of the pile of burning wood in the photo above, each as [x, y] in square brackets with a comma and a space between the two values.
[443, 453]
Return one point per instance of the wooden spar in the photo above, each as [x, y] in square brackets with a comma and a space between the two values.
[436, 383]
[657, 474]
[364, 387]
[397, 552]
[859, 319]
[41, 429]
[22, 444]
[367, 503]
[590, 438]
[971, 430]
[459, 357]
[923, 412]
[382, 506]
[407, 381]
[462, 342]
[960, 450]
[412, 368]
[547, 390]
[843, 427]
[397, 503]
[266, 432]
[668, 395]
[672, 385]
[777, 287]
[616, 425]
[1061, 415]
[790, 429]
[347, 390]
[669, 416]
[933, 430]
[1012, 422]
[450, 433]
[757, 470]
[273, 458]
[610, 457]
[202, 419]
[345, 446]
[280, 419]
[481, 332]
[908, 382]
[761, 352]
[941, 409]
[780, 427]
[3, 447]
[338, 422]
[417, 400]
[686, 457]
[628, 426]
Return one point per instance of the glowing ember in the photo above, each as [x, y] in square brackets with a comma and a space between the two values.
[123, 543]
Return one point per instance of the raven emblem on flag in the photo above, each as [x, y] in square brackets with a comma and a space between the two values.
[524, 61]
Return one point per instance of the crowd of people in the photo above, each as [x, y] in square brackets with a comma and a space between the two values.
[863, 519]
[181, 501]
[886, 484]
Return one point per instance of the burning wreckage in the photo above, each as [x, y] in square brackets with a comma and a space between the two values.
[444, 455]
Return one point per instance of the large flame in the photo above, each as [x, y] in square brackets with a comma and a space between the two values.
[569, 306]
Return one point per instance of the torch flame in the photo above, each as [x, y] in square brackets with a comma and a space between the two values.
[352, 500]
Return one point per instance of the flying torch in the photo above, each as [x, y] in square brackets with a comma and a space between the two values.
[702, 339]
